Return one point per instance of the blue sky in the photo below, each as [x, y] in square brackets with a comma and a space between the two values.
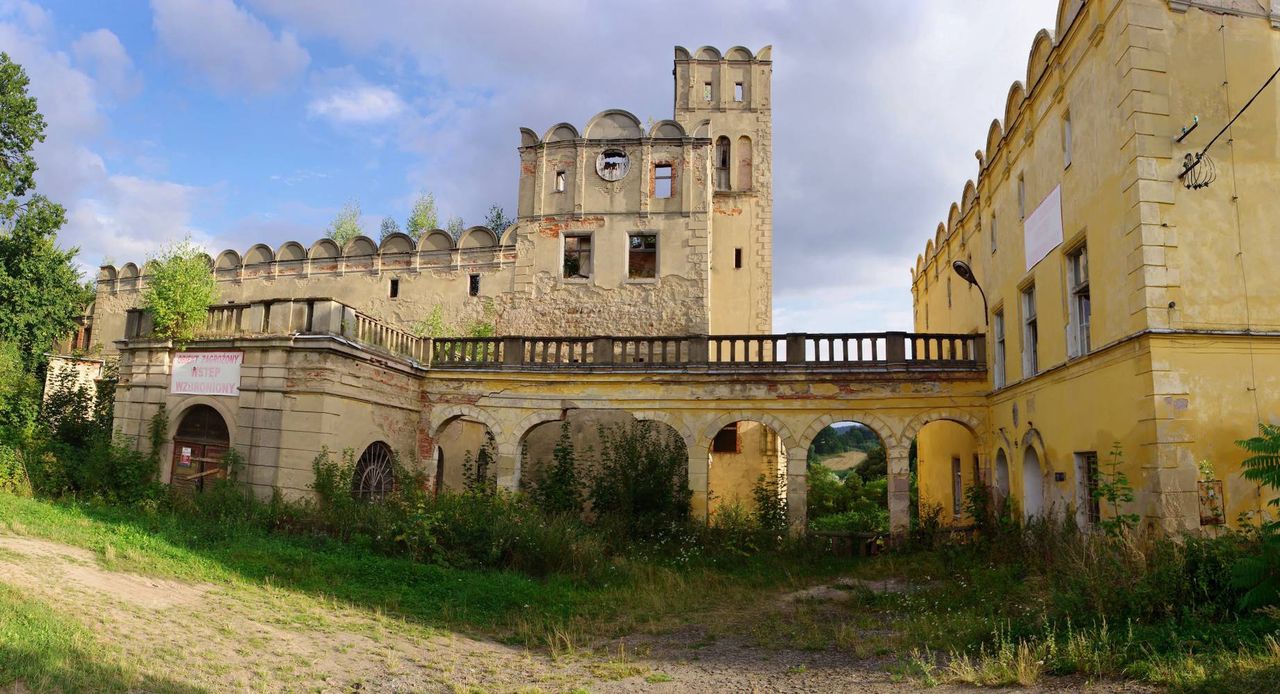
[239, 121]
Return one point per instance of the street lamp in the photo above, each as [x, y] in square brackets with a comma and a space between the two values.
[966, 273]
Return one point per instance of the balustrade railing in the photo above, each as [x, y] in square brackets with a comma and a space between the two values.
[803, 351]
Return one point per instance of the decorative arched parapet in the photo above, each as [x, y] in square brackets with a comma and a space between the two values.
[707, 53]
[477, 237]
[765, 54]
[259, 254]
[953, 219]
[968, 198]
[702, 442]
[107, 273]
[1038, 59]
[398, 242]
[360, 247]
[509, 235]
[940, 238]
[1013, 103]
[870, 420]
[291, 251]
[738, 53]
[436, 240]
[995, 134]
[614, 124]
[561, 132]
[682, 53]
[528, 138]
[667, 129]
[1068, 10]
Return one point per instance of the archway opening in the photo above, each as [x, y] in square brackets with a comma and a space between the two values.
[466, 455]
[948, 467]
[199, 444]
[374, 477]
[1001, 491]
[1032, 484]
[746, 467]
[848, 480]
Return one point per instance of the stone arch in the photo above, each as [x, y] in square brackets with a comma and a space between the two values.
[614, 124]
[709, 432]
[953, 219]
[436, 240]
[1068, 10]
[325, 248]
[1038, 58]
[677, 423]
[259, 253]
[738, 53]
[528, 138]
[939, 237]
[477, 237]
[532, 420]
[1000, 475]
[107, 273]
[870, 420]
[397, 243]
[373, 477]
[969, 197]
[1033, 483]
[682, 53]
[459, 431]
[442, 416]
[765, 54]
[928, 251]
[130, 271]
[175, 423]
[708, 53]
[291, 250]
[1013, 103]
[509, 235]
[913, 427]
[995, 133]
[360, 246]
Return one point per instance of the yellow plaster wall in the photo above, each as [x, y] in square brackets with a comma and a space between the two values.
[733, 476]
[936, 445]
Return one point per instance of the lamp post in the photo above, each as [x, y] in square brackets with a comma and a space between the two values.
[966, 273]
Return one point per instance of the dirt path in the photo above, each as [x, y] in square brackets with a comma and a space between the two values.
[260, 638]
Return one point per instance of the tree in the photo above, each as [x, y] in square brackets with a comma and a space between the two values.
[498, 220]
[40, 288]
[180, 289]
[389, 227]
[423, 217]
[455, 227]
[346, 225]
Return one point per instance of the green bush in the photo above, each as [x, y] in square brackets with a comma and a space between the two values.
[642, 480]
[13, 473]
[849, 505]
[556, 487]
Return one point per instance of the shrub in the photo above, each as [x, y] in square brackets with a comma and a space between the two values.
[13, 473]
[180, 289]
[556, 488]
[1259, 575]
[771, 505]
[642, 479]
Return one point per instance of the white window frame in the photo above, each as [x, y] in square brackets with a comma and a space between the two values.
[1030, 332]
[1079, 306]
[999, 373]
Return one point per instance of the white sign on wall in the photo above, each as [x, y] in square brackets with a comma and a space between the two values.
[1042, 231]
[206, 373]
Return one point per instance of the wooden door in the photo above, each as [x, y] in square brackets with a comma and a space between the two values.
[186, 463]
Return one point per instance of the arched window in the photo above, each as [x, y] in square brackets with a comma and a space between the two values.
[744, 163]
[722, 163]
[373, 479]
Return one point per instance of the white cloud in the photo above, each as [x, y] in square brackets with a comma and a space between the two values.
[359, 105]
[233, 49]
[101, 52]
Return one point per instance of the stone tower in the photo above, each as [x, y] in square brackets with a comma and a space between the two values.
[727, 99]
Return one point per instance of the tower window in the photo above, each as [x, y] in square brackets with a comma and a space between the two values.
[726, 440]
[1030, 333]
[577, 256]
[737, 259]
[559, 181]
[706, 92]
[642, 256]
[394, 290]
[737, 91]
[663, 177]
[722, 163]
[473, 285]
[1066, 140]
[1022, 197]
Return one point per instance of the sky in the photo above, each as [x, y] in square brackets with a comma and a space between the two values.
[243, 121]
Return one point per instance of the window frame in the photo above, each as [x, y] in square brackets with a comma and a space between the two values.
[630, 251]
[993, 233]
[1066, 140]
[589, 252]
[1030, 331]
[999, 376]
[957, 487]
[739, 92]
[559, 185]
[670, 178]
[1079, 302]
[718, 440]
[1022, 197]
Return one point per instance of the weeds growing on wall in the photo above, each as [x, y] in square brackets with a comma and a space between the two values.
[556, 488]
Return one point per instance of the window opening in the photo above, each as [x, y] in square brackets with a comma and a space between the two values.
[642, 256]
[993, 234]
[706, 91]
[373, 479]
[726, 440]
[394, 290]
[999, 374]
[1022, 197]
[722, 163]
[737, 259]
[957, 486]
[663, 178]
[559, 181]
[1030, 333]
[1080, 308]
[1066, 140]
[473, 285]
[948, 292]
[577, 256]
[737, 91]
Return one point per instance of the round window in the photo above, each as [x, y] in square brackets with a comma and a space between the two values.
[612, 164]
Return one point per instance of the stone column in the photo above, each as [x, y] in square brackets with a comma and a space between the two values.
[798, 489]
[508, 468]
[899, 491]
[699, 473]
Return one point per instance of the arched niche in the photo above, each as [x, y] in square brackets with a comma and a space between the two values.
[614, 124]
[129, 272]
[1038, 59]
[291, 251]
[667, 129]
[1013, 104]
[528, 138]
[561, 132]
[477, 237]
[436, 240]
[708, 53]
[258, 254]
[360, 246]
[227, 260]
[107, 273]
[738, 53]
[397, 243]
[325, 249]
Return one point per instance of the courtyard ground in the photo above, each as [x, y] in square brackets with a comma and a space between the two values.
[103, 599]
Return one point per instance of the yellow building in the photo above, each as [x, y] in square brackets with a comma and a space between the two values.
[1125, 305]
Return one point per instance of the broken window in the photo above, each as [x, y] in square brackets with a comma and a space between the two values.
[663, 179]
[642, 256]
[737, 91]
[473, 285]
[737, 259]
[722, 163]
[559, 181]
[706, 91]
[394, 291]
[577, 256]
[726, 440]
[744, 163]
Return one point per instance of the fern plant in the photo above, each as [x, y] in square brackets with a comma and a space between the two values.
[1259, 575]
